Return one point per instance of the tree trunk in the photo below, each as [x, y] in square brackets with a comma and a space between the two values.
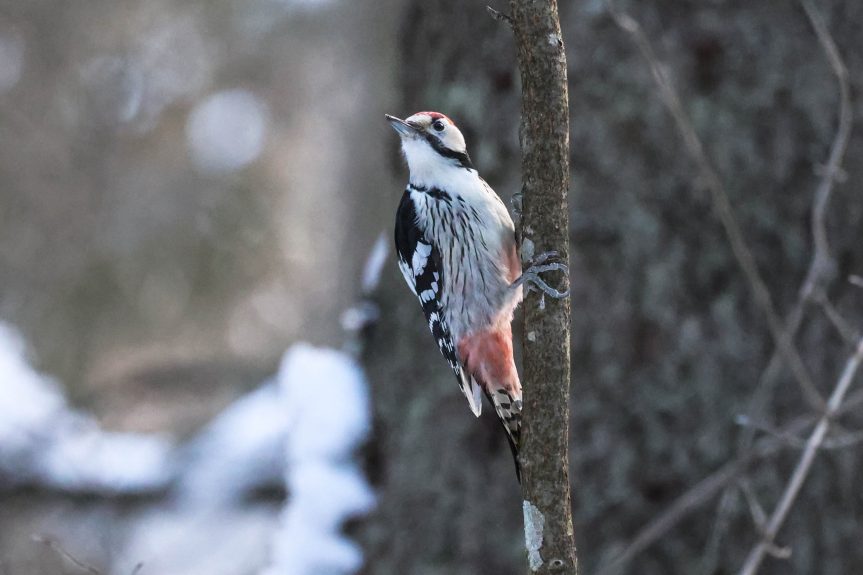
[545, 226]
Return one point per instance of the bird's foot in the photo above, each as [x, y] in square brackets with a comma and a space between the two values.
[541, 264]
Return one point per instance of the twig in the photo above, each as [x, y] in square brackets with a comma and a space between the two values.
[724, 509]
[755, 508]
[722, 206]
[821, 264]
[138, 568]
[804, 465]
[833, 168]
[696, 496]
[843, 441]
[848, 333]
[766, 381]
[57, 548]
[708, 487]
[791, 440]
[500, 16]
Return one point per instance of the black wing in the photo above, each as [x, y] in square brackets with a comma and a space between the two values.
[420, 264]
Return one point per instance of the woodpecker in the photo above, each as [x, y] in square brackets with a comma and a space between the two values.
[457, 251]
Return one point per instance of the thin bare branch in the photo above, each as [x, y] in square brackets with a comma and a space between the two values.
[817, 274]
[838, 441]
[845, 330]
[57, 548]
[778, 552]
[724, 511]
[833, 169]
[698, 495]
[843, 441]
[710, 486]
[821, 265]
[768, 378]
[804, 465]
[500, 16]
[791, 440]
[821, 268]
[759, 517]
[723, 208]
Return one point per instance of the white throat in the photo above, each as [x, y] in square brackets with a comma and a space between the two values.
[427, 167]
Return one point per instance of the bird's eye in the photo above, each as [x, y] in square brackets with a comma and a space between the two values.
[438, 126]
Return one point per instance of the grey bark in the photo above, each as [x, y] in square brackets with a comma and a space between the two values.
[545, 227]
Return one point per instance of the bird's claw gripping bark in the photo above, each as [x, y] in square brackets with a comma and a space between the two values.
[531, 277]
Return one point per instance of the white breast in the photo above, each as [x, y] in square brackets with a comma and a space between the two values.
[473, 232]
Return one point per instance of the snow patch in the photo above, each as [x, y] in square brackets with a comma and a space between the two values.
[534, 523]
[239, 452]
[326, 396]
[298, 430]
[45, 443]
[210, 524]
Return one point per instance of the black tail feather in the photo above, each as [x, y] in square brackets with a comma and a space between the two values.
[513, 434]
[514, 448]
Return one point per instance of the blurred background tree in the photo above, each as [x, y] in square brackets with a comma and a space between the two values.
[189, 187]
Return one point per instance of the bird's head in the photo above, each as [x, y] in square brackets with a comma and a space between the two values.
[431, 141]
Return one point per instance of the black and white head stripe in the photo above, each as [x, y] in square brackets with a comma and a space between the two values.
[420, 264]
[461, 158]
[442, 136]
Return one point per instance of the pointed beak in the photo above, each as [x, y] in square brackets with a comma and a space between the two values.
[403, 128]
